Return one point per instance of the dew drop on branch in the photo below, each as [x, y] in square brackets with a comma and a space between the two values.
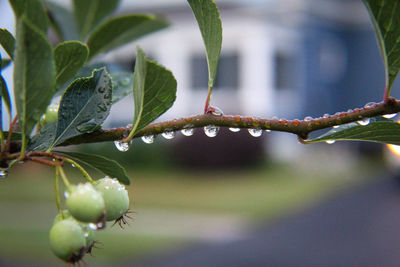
[148, 139]
[330, 142]
[121, 146]
[308, 118]
[389, 116]
[364, 122]
[255, 132]
[3, 173]
[168, 135]
[233, 129]
[188, 131]
[211, 130]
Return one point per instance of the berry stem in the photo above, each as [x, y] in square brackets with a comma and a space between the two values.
[57, 192]
[81, 169]
[64, 177]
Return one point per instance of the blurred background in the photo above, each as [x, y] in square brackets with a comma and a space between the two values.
[237, 200]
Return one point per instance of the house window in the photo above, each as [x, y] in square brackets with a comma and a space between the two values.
[285, 71]
[227, 73]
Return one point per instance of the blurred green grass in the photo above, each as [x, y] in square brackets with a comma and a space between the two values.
[27, 207]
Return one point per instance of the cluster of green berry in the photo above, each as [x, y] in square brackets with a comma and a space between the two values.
[89, 206]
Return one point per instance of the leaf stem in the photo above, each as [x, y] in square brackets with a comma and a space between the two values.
[208, 100]
[80, 168]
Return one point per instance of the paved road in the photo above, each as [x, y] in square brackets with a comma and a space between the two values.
[358, 228]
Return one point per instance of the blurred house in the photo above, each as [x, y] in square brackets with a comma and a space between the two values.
[291, 59]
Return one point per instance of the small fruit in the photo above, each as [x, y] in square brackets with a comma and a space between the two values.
[67, 240]
[115, 197]
[85, 203]
[51, 115]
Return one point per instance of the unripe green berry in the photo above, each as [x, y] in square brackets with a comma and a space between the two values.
[115, 197]
[85, 203]
[51, 115]
[67, 240]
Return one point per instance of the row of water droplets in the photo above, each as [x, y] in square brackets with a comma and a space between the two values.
[209, 130]
[363, 121]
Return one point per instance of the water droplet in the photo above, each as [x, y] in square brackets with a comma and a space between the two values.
[364, 122]
[87, 126]
[73, 165]
[369, 104]
[216, 111]
[168, 135]
[188, 131]
[255, 132]
[211, 130]
[86, 234]
[267, 131]
[100, 225]
[66, 194]
[102, 107]
[64, 115]
[148, 139]
[336, 126]
[233, 129]
[330, 142]
[389, 116]
[121, 146]
[124, 82]
[308, 118]
[3, 173]
[92, 226]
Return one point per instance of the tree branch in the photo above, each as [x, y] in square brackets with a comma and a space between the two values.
[301, 128]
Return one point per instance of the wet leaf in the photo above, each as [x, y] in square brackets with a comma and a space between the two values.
[34, 74]
[84, 106]
[89, 13]
[207, 16]
[121, 30]
[386, 20]
[7, 41]
[122, 85]
[42, 140]
[69, 57]
[154, 91]
[107, 166]
[381, 131]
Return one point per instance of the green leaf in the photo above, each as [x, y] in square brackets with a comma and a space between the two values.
[5, 94]
[6, 62]
[43, 140]
[207, 16]
[386, 20]
[62, 20]
[34, 12]
[84, 106]
[89, 13]
[122, 85]
[34, 74]
[107, 166]
[121, 30]
[7, 41]
[382, 131]
[69, 57]
[154, 91]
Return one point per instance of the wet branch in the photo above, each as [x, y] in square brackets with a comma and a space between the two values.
[301, 128]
